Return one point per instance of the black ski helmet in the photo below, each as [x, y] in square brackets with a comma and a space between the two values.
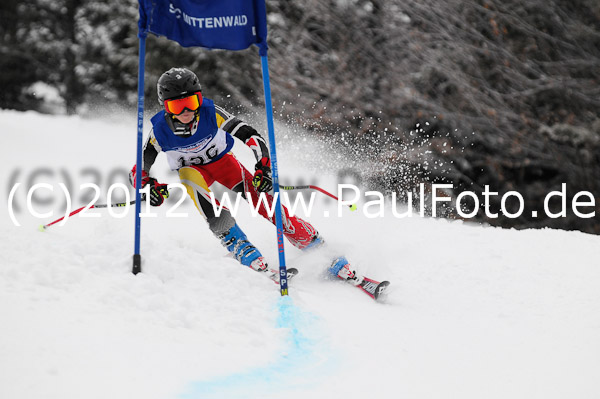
[177, 82]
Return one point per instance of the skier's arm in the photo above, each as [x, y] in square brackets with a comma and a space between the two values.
[151, 150]
[158, 191]
[242, 131]
[249, 136]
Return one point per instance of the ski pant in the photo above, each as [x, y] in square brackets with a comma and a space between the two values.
[229, 172]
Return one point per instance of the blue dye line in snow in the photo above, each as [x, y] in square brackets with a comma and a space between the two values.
[306, 362]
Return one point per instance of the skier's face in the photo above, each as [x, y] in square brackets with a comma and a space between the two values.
[186, 116]
[183, 108]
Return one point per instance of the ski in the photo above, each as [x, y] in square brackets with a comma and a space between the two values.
[341, 268]
[373, 288]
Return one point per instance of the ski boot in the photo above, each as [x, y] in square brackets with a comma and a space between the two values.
[341, 268]
[247, 254]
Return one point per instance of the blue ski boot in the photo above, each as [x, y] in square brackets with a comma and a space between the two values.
[247, 254]
[341, 268]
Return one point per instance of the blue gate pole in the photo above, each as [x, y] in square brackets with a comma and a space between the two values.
[137, 257]
[278, 220]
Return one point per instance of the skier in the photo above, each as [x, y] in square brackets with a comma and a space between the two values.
[197, 137]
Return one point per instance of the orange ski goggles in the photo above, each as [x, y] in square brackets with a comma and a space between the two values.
[177, 106]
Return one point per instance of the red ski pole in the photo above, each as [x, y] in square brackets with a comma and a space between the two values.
[311, 187]
[76, 211]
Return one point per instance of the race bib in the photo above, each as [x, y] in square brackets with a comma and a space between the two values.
[202, 152]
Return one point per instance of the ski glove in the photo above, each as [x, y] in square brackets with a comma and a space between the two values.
[262, 177]
[158, 191]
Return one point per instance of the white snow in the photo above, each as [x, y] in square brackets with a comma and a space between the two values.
[472, 312]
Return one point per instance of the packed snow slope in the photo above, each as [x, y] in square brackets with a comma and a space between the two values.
[472, 312]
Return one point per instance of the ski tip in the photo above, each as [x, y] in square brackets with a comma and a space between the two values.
[373, 288]
[380, 289]
[291, 272]
[42, 228]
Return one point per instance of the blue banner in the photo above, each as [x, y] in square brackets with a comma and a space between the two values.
[213, 24]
